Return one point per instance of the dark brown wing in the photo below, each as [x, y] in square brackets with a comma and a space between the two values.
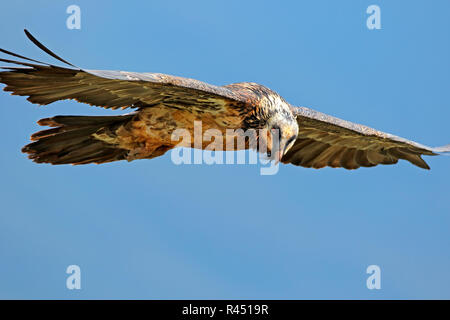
[45, 83]
[324, 140]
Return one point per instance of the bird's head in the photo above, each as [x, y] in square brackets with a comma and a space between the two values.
[282, 130]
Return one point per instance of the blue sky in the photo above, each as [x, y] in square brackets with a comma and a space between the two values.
[152, 230]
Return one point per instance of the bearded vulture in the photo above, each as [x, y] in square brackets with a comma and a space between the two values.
[162, 103]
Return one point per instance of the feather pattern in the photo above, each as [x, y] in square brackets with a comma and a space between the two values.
[350, 145]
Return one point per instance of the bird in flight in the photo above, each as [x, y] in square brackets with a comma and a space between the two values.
[163, 103]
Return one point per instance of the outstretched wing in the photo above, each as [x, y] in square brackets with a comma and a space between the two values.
[44, 83]
[324, 140]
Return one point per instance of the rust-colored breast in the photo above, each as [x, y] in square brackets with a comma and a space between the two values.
[151, 128]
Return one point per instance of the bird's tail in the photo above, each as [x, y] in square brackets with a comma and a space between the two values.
[71, 141]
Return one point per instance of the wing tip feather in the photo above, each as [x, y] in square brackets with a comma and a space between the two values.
[444, 150]
[45, 49]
